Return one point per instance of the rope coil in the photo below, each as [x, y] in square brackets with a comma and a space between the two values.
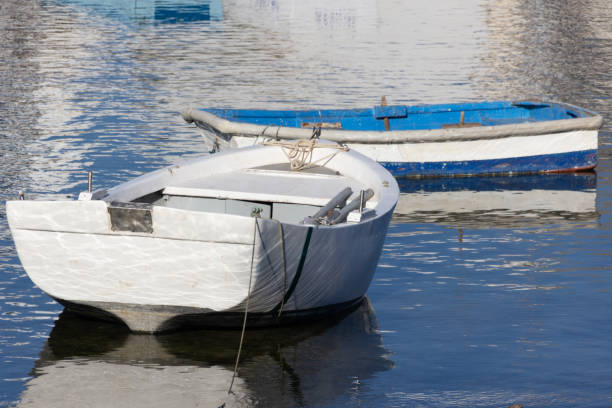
[299, 152]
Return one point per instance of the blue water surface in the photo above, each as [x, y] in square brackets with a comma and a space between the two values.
[489, 291]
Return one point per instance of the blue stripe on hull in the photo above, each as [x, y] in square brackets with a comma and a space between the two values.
[575, 181]
[582, 160]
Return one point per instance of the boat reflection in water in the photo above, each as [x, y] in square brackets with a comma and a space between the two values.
[505, 202]
[94, 363]
[153, 11]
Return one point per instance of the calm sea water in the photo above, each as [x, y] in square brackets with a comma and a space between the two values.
[489, 291]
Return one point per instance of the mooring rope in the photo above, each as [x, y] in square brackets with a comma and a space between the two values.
[298, 272]
[262, 135]
[246, 309]
[282, 248]
[299, 152]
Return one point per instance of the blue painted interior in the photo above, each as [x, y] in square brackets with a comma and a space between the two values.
[401, 117]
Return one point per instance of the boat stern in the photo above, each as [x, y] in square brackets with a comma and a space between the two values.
[126, 259]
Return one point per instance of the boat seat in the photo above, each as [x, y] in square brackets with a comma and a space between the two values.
[262, 185]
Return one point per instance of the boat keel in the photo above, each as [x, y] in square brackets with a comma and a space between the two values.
[158, 318]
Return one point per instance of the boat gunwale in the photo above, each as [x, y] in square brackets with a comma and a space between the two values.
[383, 202]
[227, 128]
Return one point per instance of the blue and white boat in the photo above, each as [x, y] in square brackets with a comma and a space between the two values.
[429, 140]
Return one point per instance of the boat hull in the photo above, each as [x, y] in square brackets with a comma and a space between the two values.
[193, 268]
[547, 153]
[150, 318]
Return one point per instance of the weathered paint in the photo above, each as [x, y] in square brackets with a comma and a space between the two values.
[410, 117]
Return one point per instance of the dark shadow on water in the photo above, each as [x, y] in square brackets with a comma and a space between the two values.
[290, 366]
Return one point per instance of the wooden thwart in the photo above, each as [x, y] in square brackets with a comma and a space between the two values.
[461, 123]
[383, 102]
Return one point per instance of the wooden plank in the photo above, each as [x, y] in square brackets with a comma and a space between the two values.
[322, 125]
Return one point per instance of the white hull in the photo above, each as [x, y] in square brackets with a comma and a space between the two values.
[469, 150]
[564, 151]
[208, 274]
[196, 262]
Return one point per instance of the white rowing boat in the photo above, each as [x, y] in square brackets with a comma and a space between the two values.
[203, 241]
